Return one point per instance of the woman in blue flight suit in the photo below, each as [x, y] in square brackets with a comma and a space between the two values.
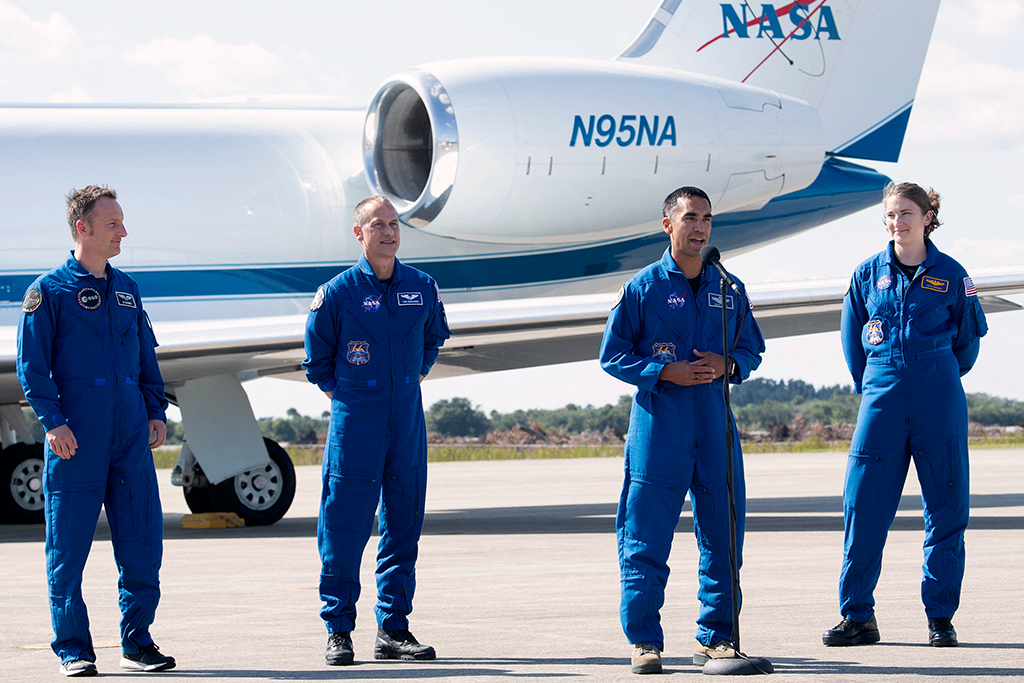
[911, 328]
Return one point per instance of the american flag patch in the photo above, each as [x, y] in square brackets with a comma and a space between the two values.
[969, 289]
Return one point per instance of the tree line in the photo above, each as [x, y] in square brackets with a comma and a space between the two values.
[757, 403]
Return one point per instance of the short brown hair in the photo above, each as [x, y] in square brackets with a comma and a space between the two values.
[360, 214]
[80, 203]
[926, 200]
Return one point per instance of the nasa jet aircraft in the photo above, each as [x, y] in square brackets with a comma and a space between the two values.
[525, 187]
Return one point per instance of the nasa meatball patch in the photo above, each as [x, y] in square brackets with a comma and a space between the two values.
[89, 298]
[675, 301]
[33, 298]
[371, 303]
[883, 282]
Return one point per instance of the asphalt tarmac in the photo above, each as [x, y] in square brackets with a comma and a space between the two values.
[517, 578]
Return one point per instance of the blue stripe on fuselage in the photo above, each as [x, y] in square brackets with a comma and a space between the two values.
[840, 189]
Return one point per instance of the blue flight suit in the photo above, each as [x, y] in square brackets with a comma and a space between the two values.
[907, 344]
[86, 358]
[676, 442]
[368, 342]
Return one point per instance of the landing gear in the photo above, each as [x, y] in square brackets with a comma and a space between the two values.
[259, 495]
[21, 484]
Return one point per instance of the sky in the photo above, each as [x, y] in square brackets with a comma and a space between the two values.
[963, 138]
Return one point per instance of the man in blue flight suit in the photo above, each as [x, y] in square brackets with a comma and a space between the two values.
[87, 363]
[911, 327]
[661, 336]
[372, 335]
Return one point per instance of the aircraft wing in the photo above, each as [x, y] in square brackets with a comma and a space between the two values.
[486, 336]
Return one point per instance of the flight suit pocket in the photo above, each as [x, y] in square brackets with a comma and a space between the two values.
[864, 469]
[125, 512]
[71, 517]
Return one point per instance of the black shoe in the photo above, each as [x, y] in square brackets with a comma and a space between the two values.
[850, 632]
[149, 659]
[78, 667]
[400, 645]
[941, 633]
[339, 649]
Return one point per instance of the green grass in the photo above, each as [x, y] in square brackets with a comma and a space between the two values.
[166, 456]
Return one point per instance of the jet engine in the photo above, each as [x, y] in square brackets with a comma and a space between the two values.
[540, 151]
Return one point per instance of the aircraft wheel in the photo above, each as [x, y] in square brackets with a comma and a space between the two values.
[21, 479]
[199, 499]
[260, 495]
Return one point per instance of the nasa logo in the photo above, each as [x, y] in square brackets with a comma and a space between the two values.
[664, 352]
[676, 300]
[371, 303]
[358, 352]
[632, 130]
[883, 282]
[874, 330]
[803, 21]
[89, 298]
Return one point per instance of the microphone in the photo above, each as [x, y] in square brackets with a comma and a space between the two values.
[712, 257]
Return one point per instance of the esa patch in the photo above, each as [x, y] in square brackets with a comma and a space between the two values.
[883, 282]
[89, 298]
[318, 299]
[33, 298]
[371, 303]
[969, 288]
[715, 300]
[675, 301]
[935, 284]
[664, 352]
[126, 299]
[358, 352]
[875, 335]
[410, 298]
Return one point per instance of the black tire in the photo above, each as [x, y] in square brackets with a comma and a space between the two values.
[199, 499]
[260, 495]
[21, 484]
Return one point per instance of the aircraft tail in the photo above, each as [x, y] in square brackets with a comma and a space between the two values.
[857, 62]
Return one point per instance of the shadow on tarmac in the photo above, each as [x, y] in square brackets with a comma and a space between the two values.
[813, 513]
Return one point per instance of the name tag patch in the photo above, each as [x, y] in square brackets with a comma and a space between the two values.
[715, 301]
[664, 352]
[89, 298]
[935, 284]
[410, 298]
[126, 299]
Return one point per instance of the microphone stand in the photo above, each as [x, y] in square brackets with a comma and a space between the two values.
[739, 664]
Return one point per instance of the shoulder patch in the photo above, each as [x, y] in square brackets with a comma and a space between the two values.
[32, 301]
[969, 288]
[318, 299]
[618, 297]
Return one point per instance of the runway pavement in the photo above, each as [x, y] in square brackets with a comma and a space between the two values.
[517, 578]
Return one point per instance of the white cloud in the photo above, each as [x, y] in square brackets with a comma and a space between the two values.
[207, 65]
[991, 251]
[964, 99]
[22, 36]
[989, 19]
